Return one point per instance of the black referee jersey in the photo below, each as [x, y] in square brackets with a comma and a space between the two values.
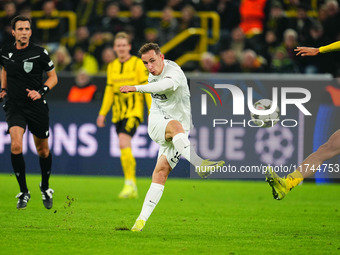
[24, 69]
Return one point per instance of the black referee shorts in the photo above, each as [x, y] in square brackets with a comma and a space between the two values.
[127, 126]
[34, 115]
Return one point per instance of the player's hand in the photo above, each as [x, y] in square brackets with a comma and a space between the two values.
[127, 89]
[306, 51]
[33, 94]
[3, 93]
[101, 121]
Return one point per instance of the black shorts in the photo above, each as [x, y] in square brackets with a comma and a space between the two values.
[33, 115]
[127, 126]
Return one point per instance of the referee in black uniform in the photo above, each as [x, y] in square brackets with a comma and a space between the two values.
[22, 84]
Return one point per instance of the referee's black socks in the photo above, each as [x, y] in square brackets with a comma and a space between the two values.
[18, 164]
[45, 165]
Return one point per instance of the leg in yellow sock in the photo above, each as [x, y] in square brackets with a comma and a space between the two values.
[128, 164]
[293, 179]
[281, 186]
[129, 168]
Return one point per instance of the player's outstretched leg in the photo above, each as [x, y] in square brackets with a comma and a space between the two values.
[23, 198]
[204, 167]
[281, 186]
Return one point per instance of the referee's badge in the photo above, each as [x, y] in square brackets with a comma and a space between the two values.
[28, 66]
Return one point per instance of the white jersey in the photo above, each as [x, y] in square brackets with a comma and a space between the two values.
[174, 102]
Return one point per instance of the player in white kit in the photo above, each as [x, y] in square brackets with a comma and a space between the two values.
[169, 124]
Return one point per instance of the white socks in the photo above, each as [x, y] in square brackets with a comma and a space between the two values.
[155, 192]
[151, 200]
[182, 145]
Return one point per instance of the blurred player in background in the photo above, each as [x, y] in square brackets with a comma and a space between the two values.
[169, 124]
[281, 186]
[21, 81]
[127, 109]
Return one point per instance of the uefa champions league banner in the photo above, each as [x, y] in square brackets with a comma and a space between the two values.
[79, 147]
[229, 124]
[223, 130]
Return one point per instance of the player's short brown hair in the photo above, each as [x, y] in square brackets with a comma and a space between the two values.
[20, 18]
[122, 35]
[149, 46]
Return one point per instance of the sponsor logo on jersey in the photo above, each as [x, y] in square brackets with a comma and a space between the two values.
[28, 66]
[10, 54]
[160, 97]
[50, 63]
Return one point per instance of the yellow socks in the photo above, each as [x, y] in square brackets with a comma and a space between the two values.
[293, 179]
[128, 164]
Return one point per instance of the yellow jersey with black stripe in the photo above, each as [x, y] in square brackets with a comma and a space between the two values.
[131, 72]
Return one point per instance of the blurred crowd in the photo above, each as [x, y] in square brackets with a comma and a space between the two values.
[255, 35]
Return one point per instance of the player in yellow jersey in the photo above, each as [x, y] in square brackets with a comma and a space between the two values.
[281, 186]
[127, 109]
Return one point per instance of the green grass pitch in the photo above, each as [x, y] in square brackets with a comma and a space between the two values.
[193, 217]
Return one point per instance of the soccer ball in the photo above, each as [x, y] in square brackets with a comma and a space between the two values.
[265, 121]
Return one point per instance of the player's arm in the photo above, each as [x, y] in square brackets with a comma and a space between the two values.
[52, 79]
[106, 105]
[3, 92]
[154, 87]
[108, 96]
[310, 51]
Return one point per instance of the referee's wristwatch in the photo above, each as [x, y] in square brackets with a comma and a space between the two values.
[2, 89]
[43, 90]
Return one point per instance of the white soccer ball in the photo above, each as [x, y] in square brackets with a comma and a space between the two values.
[268, 120]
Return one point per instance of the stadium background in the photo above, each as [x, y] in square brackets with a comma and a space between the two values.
[207, 37]
[194, 216]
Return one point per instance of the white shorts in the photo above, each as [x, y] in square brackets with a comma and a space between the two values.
[156, 129]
